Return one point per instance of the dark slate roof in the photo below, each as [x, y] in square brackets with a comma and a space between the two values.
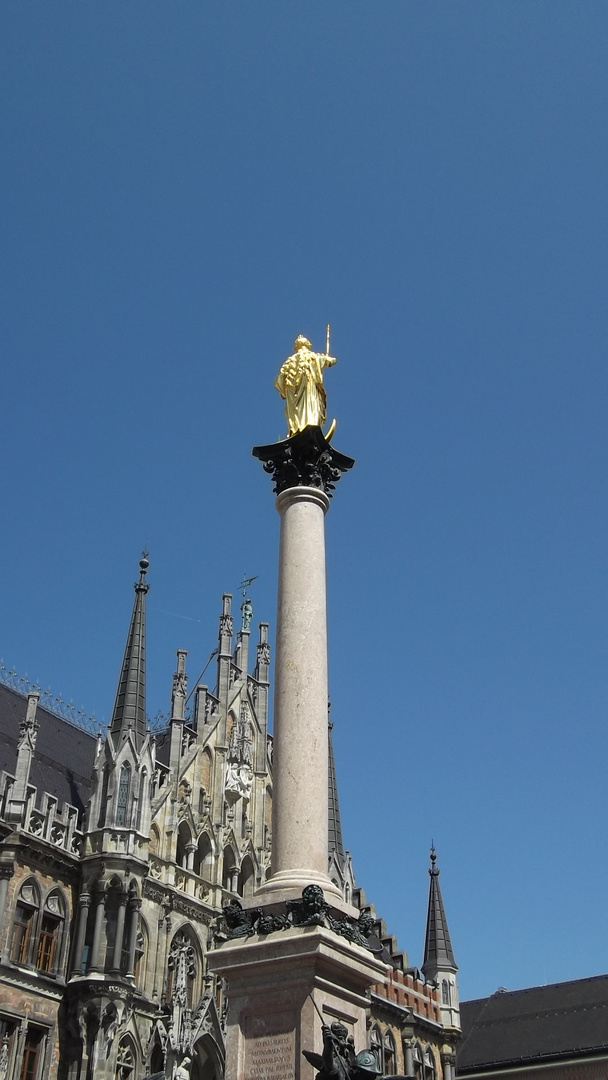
[64, 755]
[438, 952]
[544, 1022]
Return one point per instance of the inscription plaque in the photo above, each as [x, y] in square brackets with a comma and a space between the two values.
[270, 1048]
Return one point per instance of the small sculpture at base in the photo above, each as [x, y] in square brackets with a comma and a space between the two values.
[339, 1061]
[311, 909]
[300, 383]
[183, 1071]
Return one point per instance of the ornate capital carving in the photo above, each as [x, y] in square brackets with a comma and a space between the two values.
[306, 459]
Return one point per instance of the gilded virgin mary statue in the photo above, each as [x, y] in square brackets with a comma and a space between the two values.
[300, 383]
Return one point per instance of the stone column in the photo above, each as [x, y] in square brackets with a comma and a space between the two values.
[299, 804]
[409, 1059]
[120, 930]
[134, 909]
[99, 913]
[190, 852]
[6, 873]
[84, 902]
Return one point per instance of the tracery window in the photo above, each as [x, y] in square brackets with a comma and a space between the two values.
[182, 970]
[24, 923]
[445, 992]
[122, 800]
[125, 1061]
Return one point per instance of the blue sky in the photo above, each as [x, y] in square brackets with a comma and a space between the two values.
[186, 187]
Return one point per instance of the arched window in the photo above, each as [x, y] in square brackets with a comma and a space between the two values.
[141, 951]
[125, 1060]
[206, 763]
[122, 800]
[184, 837]
[375, 1044]
[230, 870]
[388, 1048]
[246, 877]
[48, 953]
[154, 841]
[24, 923]
[417, 1056]
[445, 992]
[203, 859]
[429, 1064]
[141, 798]
[157, 1060]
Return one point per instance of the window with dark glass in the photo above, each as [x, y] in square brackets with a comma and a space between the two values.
[31, 1054]
[123, 794]
[47, 943]
[22, 928]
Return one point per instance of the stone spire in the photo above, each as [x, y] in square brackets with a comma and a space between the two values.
[130, 704]
[336, 846]
[439, 965]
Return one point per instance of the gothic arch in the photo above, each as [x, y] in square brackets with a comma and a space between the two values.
[187, 965]
[25, 922]
[184, 837]
[246, 884]
[154, 840]
[207, 1061]
[203, 857]
[126, 1059]
[229, 869]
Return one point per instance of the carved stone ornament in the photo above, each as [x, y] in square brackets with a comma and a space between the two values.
[306, 459]
[311, 909]
[239, 923]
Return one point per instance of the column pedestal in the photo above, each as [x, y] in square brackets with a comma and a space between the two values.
[272, 983]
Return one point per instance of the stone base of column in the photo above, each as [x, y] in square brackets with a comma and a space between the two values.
[288, 885]
[272, 984]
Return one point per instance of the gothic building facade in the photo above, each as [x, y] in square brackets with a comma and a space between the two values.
[117, 854]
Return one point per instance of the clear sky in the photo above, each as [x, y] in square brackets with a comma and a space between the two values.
[187, 186]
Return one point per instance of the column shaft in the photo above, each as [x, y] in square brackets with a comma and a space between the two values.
[83, 915]
[120, 930]
[300, 793]
[99, 913]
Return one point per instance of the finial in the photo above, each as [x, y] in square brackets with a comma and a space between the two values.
[433, 858]
[144, 562]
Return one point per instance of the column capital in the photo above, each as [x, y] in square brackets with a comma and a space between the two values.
[6, 872]
[84, 900]
[307, 459]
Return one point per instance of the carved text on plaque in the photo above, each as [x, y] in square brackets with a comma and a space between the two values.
[271, 1057]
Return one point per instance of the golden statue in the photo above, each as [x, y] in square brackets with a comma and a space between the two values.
[300, 383]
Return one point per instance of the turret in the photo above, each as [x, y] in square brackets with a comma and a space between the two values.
[439, 965]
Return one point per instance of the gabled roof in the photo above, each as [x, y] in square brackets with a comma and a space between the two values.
[543, 1022]
[63, 760]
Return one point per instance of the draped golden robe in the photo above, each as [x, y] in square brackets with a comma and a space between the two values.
[300, 383]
